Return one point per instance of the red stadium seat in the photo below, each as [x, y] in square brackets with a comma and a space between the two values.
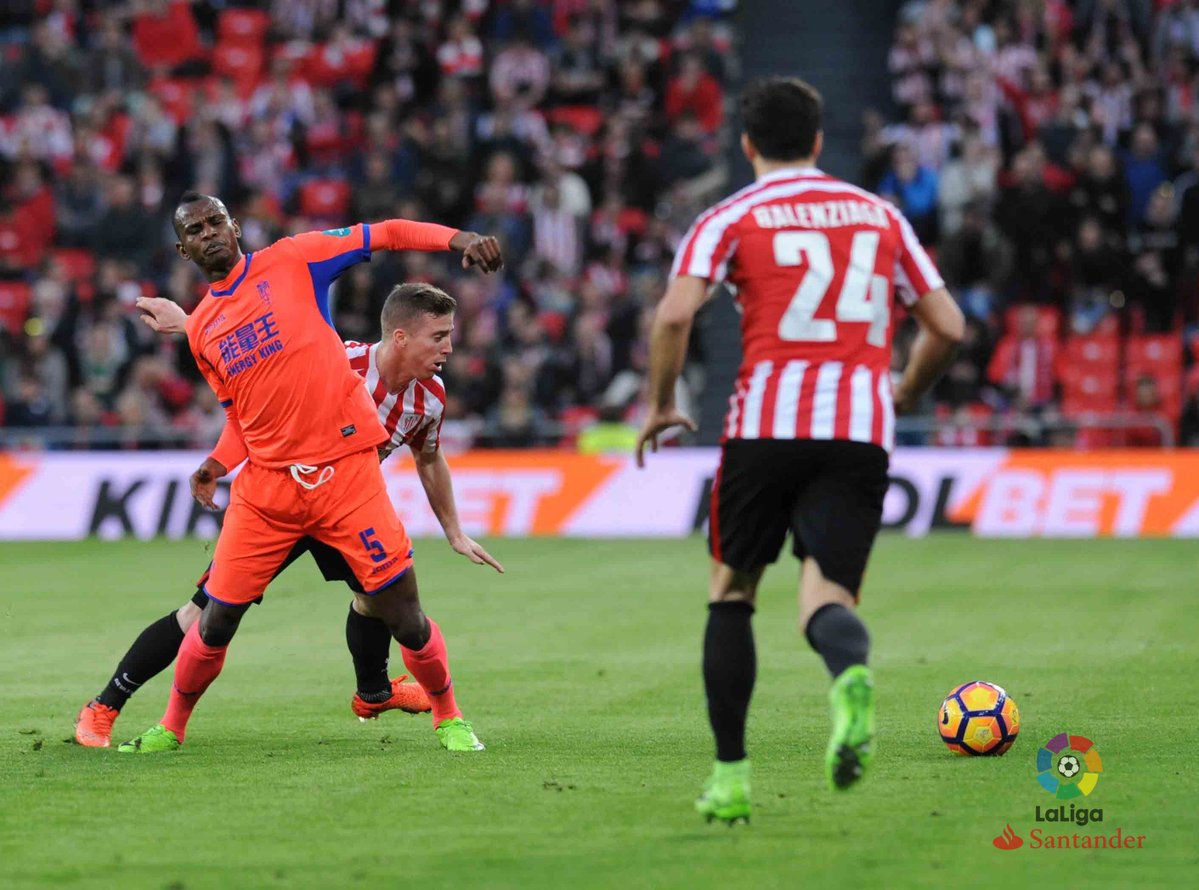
[14, 305]
[79, 264]
[1091, 350]
[1163, 350]
[325, 199]
[241, 62]
[244, 27]
[1090, 390]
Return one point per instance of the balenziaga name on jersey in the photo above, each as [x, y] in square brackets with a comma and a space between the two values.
[821, 215]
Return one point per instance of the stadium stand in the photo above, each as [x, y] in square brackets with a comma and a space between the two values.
[585, 134]
[1048, 151]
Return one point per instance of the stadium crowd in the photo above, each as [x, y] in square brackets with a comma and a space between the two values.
[1049, 151]
[585, 134]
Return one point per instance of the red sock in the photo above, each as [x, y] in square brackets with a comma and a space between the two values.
[196, 667]
[430, 667]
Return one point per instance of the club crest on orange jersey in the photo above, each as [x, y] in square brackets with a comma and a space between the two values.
[264, 292]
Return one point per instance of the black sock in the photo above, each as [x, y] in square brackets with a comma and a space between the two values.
[369, 641]
[730, 666]
[840, 637]
[151, 654]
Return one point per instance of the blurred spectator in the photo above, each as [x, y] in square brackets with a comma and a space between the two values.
[914, 189]
[1096, 271]
[37, 129]
[461, 55]
[1144, 169]
[1102, 192]
[520, 70]
[578, 76]
[79, 205]
[968, 179]
[125, 231]
[976, 261]
[1023, 362]
[1032, 217]
[524, 19]
[557, 232]
[696, 91]
[31, 405]
[112, 63]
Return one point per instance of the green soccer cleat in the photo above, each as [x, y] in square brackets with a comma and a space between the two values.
[726, 793]
[153, 741]
[456, 734]
[851, 746]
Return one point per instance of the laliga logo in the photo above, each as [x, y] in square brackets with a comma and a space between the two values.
[1068, 766]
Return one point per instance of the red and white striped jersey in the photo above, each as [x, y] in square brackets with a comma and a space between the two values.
[813, 262]
[412, 417]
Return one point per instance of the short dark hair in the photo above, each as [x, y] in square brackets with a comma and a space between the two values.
[781, 116]
[191, 197]
[407, 301]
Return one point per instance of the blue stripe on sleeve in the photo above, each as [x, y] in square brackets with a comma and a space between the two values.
[325, 272]
[227, 403]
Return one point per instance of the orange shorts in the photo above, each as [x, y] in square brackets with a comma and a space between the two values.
[269, 510]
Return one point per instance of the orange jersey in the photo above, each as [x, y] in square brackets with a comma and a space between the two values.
[264, 340]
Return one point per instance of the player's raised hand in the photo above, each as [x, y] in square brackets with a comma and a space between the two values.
[162, 316]
[203, 482]
[484, 252]
[656, 423]
[473, 551]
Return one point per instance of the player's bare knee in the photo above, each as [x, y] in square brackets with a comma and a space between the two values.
[817, 591]
[729, 585]
[219, 622]
[187, 615]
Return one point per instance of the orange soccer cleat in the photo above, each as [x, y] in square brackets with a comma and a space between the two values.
[93, 726]
[407, 697]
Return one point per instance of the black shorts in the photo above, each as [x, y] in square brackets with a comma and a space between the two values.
[329, 560]
[828, 494]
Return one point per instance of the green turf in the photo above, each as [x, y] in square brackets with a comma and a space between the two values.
[580, 670]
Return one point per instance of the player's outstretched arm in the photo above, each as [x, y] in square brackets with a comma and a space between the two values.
[162, 316]
[434, 475]
[667, 351]
[942, 327]
[481, 251]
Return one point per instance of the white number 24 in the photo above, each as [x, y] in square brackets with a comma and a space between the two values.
[863, 294]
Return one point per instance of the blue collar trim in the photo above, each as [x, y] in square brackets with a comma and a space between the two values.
[240, 279]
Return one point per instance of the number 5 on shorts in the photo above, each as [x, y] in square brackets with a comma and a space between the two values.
[373, 547]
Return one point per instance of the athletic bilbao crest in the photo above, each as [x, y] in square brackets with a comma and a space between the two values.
[408, 423]
[264, 292]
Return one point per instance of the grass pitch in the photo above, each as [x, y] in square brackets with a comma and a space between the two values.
[580, 670]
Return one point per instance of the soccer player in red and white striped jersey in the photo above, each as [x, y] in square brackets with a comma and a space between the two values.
[813, 263]
[400, 373]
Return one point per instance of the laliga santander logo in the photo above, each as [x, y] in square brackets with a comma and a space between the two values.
[1068, 766]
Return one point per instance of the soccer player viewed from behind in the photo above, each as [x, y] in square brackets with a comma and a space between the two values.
[264, 341]
[400, 373]
[813, 262]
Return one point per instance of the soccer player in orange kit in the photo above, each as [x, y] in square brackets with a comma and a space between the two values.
[264, 340]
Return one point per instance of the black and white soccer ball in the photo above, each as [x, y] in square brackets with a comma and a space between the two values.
[1068, 766]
